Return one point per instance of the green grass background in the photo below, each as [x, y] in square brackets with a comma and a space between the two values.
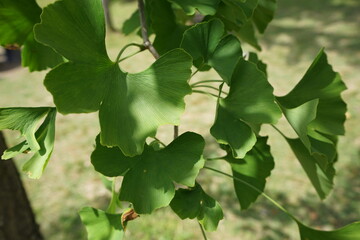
[290, 44]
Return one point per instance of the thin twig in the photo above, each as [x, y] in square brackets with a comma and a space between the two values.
[144, 30]
[206, 81]
[202, 231]
[148, 45]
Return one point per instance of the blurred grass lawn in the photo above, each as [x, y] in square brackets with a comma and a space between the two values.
[290, 44]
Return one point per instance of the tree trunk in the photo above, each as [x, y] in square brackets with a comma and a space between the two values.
[17, 221]
[109, 23]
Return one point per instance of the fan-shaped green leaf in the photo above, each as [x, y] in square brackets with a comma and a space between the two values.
[349, 232]
[254, 168]
[24, 120]
[320, 176]
[227, 129]
[251, 96]
[148, 179]
[264, 14]
[206, 43]
[315, 110]
[101, 225]
[132, 106]
[195, 203]
[40, 143]
[205, 7]
[17, 19]
[163, 22]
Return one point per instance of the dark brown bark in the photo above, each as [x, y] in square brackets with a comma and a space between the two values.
[17, 221]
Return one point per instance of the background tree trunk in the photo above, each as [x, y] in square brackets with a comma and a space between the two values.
[109, 23]
[17, 221]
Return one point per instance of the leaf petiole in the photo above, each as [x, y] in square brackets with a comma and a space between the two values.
[203, 92]
[140, 46]
[205, 81]
[202, 231]
[255, 189]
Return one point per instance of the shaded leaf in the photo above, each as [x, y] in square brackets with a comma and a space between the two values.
[254, 168]
[205, 7]
[227, 129]
[349, 232]
[195, 203]
[207, 44]
[39, 142]
[168, 31]
[131, 24]
[151, 175]
[264, 14]
[17, 19]
[132, 106]
[101, 225]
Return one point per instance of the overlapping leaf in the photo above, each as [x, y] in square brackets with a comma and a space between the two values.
[195, 203]
[17, 19]
[148, 178]
[205, 7]
[254, 168]
[315, 110]
[40, 142]
[243, 17]
[101, 225]
[168, 31]
[132, 106]
[250, 101]
[207, 44]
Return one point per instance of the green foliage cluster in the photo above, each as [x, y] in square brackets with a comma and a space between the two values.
[69, 37]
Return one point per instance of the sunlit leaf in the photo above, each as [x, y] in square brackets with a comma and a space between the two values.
[24, 120]
[17, 19]
[251, 96]
[101, 225]
[39, 142]
[316, 111]
[254, 169]
[151, 175]
[195, 203]
[132, 106]
[205, 7]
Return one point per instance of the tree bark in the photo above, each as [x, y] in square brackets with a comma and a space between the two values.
[109, 23]
[17, 220]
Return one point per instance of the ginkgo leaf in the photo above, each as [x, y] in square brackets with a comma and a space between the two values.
[349, 232]
[205, 7]
[207, 44]
[132, 106]
[101, 225]
[321, 177]
[264, 14]
[17, 19]
[227, 129]
[251, 96]
[244, 17]
[168, 31]
[24, 120]
[254, 168]
[151, 175]
[195, 203]
[39, 142]
[316, 111]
